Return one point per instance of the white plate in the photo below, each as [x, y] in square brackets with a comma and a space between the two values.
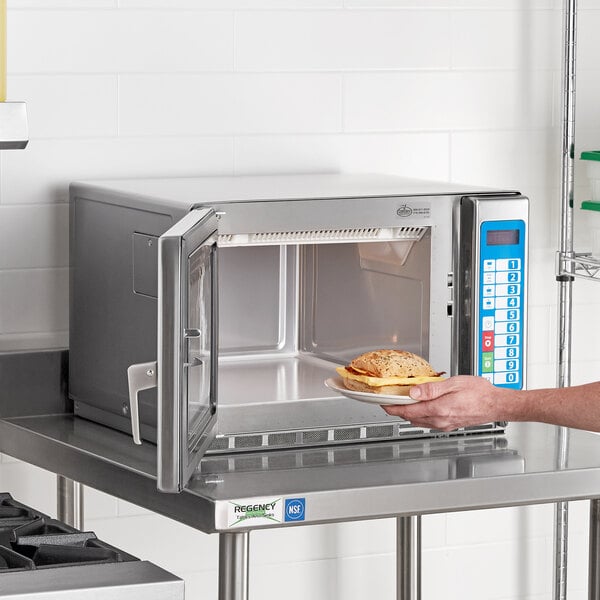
[336, 384]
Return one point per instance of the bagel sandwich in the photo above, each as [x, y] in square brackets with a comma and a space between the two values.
[390, 372]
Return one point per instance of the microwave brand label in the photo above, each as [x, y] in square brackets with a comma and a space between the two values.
[419, 210]
[255, 511]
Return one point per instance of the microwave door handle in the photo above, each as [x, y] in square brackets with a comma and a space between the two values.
[141, 376]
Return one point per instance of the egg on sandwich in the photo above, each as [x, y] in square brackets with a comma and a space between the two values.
[391, 372]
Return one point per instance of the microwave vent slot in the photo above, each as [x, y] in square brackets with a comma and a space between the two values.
[316, 436]
[282, 439]
[248, 441]
[350, 433]
[220, 443]
[322, 236]
[378, 431]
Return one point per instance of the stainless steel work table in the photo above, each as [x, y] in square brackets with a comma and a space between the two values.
[402, 479]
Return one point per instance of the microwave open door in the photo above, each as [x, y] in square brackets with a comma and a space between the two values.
[186, 370]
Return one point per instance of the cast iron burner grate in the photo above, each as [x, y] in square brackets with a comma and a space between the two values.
[30, 540]
[13, 513]
[50, 555]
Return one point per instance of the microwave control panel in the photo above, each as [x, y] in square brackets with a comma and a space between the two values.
[501, 302]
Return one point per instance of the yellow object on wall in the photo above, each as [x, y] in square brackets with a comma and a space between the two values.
[2, 50]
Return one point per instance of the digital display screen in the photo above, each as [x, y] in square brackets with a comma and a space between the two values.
[502, 237]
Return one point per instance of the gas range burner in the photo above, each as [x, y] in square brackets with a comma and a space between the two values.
[13, 513]
[30, 540]
[41, 557]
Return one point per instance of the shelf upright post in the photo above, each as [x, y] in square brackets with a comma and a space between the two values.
[565, 279]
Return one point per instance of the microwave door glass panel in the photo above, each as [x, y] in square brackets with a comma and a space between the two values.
[198, 344]
[187, 346]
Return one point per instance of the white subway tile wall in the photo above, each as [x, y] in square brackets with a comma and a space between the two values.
[461, 90]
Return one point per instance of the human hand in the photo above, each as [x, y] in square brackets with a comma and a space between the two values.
[455, 402]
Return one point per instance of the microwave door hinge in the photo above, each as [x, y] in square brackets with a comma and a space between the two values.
[141, 376]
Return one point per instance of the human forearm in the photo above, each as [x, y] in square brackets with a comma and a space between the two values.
[577, 406]
[465, 400]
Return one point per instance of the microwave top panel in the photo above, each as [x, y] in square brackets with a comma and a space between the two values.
[185, 193]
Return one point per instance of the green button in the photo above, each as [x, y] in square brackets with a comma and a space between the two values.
[487, 362]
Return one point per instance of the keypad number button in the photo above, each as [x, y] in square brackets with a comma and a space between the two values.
[508, 377]
[512, 340]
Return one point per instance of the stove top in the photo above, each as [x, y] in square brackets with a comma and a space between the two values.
[41, 557]
[30, 540]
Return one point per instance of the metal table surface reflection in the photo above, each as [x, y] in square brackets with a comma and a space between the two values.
[353, 482]
[403, 479]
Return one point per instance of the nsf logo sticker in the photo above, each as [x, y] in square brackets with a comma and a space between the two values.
[295, 509]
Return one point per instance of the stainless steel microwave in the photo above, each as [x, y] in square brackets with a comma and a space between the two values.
[206, 313]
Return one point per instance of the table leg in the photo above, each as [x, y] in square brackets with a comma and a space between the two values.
[594, 559]
[408, 557]
[234, 553]
[69, 502]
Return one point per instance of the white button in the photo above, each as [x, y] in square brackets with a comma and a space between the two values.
[511, 339]
[507, 327]
[502, 378]
[488, 290]
[508, 277]
[489, 377]
[508, 264]
[487, 324]
[512, 314]
[506, 365]
[514, 264]
[511, 289]
[508, 302]
[489, 278]
[488, 304]
[508, 352]
[489, 265]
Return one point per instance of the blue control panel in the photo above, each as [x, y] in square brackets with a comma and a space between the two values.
[501, 302]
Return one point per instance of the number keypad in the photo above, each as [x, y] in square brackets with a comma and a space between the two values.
[501, 296]
[499, 347]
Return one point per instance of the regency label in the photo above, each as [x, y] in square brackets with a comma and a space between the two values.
[252, 512]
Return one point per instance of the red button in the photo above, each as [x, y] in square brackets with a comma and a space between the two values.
[487, 341]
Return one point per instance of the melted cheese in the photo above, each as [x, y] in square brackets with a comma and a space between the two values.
[381, 381]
